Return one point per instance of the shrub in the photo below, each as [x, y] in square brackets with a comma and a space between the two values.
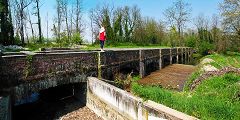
[77, 39]
[205, 47]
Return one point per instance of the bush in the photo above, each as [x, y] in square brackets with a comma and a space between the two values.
[77, 39]
[17, 40]
[205, 47]
[190, 41]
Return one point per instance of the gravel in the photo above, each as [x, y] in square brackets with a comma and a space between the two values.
[83, 113]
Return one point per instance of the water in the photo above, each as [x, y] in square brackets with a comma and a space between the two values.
[33, 98]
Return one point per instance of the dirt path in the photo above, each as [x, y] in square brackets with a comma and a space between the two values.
[172, 76]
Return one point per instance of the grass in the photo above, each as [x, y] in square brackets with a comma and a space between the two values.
[215, 99]
[123, 45]
[229, 59]
[36, 47]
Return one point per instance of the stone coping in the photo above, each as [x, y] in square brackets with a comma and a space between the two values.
[25, 53]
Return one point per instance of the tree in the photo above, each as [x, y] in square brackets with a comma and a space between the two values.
[130, 18]
[202, 24]
[102, 16]
[59, 18]
[6, 27]
[20, 6]
[177, 15]
[76, 19]
[231, 12]
[31, 24]
[65, 14]
[78, 16]
[217, 33]
[40, 39]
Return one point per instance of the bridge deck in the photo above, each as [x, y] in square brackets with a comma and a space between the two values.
[172, 76]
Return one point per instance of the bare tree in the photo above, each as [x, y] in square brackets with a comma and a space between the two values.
[40, 39]
[21, 16]
[47, 25]
[230, 10]
[59, 18]
[65, 15]
[96, 16]
[91, 23]
[31, 24]
[177, 15]
[231, 13]
[78, 16]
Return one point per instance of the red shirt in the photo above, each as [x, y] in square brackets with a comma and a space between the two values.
[102, 34]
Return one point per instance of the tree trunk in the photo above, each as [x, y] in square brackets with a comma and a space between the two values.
[39, 23]
[21, 23]
[6, 29]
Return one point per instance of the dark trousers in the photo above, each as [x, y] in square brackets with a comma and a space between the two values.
[101, 43]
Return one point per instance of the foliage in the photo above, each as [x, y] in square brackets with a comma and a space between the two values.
[77, 39]
[28, 70]
[216, 98]
[190, 41]
[36, 47]
[17, 40]
[230, 12]
[204, 47]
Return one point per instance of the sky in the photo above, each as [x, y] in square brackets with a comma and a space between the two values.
[149, 8]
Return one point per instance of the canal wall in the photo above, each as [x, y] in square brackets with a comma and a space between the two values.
[5, 108]
[112, 103]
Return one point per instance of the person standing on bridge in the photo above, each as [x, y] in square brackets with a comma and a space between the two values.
[102, 37]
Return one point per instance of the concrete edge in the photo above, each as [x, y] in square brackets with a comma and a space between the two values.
[117, 89]
[168, 110]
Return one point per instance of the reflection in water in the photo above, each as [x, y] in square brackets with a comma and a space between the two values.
[33, 98]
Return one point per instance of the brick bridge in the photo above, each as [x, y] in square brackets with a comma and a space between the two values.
[22, 74]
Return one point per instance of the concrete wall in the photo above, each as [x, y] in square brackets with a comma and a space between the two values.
[5, 108]
[112, 103]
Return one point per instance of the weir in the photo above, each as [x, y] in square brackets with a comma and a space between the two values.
[24, 74]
